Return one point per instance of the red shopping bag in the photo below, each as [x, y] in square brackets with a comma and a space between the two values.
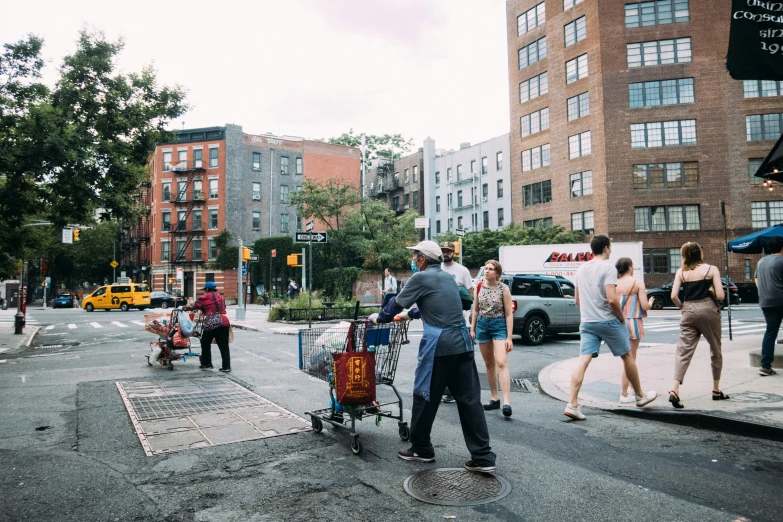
[354, 378]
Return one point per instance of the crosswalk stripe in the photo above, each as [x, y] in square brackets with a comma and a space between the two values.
[138, 323]
[121, 325]
[51, 326]
[96, 325]
[71, 326]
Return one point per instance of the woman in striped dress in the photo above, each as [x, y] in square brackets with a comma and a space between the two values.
[634, 302]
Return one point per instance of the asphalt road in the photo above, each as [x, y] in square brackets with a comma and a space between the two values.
[68, 450]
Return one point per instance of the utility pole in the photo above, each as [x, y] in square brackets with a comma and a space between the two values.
[363, 149]
[310, 288]
[114, 257]
[726, 268]
[240, 290]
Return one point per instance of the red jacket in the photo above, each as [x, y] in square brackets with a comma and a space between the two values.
[210, 305]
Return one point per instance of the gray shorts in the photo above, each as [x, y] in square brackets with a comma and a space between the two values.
[613, 333]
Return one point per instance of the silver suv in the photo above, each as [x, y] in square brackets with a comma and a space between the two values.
[543, 305]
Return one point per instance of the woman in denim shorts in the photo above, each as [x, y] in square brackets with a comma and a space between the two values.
[491, 325]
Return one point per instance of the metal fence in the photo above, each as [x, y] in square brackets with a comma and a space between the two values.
[331, 313]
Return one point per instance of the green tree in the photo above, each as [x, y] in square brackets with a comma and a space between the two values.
[228, 255]
[391, 146]
[380, 236]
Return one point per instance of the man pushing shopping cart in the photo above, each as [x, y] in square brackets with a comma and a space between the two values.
[445, 359]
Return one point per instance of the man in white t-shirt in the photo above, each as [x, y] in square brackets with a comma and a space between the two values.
[602, 320]
[461, 276]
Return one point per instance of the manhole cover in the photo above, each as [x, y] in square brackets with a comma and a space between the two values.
[456, 487]
[756, 397]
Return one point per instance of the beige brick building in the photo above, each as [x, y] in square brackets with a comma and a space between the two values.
[624, 121]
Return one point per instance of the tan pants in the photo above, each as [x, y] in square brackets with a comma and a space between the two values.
[699, 318]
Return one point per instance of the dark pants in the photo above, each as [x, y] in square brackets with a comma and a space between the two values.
[773, 317]
[221, 334]
[459, 373]
[386, 299]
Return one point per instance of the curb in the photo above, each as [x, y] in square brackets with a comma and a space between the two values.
[694, 418]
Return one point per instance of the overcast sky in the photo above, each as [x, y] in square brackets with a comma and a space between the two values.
[310, 68]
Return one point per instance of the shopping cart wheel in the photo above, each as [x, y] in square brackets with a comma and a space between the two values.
[405, 431]
[318, 426]
[356, 446]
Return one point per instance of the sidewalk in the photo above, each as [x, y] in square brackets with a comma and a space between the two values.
[10, 342]
[755, 408]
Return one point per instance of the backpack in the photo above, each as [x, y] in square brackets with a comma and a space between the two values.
[464, 295]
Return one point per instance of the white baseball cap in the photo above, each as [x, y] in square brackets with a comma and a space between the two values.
[429, 249]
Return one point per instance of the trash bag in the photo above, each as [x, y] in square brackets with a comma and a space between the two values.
[185, 325]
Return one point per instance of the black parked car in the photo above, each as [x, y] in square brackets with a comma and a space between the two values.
[166, 300]
[663, 294]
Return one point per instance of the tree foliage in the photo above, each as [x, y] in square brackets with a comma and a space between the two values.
[391, 146]
[228, 255]
[379, 236]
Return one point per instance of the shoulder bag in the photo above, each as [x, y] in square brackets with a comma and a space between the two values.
[215, 319]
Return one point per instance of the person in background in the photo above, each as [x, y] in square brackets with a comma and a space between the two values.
[602, 320]
[293, 289]
[389, 287]
[769, 280]
[635, 305]
[216, 326]
[445, 359]
[491, 326]
[462, 277]
[702, 289]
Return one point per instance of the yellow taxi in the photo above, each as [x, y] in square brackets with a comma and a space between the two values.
[122, 297]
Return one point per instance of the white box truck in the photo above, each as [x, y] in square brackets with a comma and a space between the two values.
[562, 259]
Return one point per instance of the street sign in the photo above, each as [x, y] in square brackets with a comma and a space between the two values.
[315, 237]
[460, 232]
[274, 252]
[180, 273]
[310, 225]
[254, 258]
[244, 271]
[123, 280]
[422, 222]
[68, 236]
[114, 264]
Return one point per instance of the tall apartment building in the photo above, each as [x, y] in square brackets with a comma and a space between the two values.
[399, 182]
[625, 122]
[215, 179]
[469, 188]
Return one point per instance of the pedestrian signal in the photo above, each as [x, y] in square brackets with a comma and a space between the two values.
[245, 253]
[293, 260]
[457, 247]
[76, 233]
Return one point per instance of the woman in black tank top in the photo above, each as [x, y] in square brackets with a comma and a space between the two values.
[701, 287]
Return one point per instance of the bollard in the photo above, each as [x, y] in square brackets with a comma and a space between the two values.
[18, 323]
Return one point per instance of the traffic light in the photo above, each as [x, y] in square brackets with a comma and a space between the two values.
[246, 253]
[457, 247]
[76, 233]
[293, 260]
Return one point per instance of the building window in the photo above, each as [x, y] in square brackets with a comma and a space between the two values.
[284, 193]
[576, 69]
[406, 201]
[450, 224]
[568, 4]
[535, 223]
[213, 219]
[747, 270]
[448, 201]
[448, 175]
[408, 178]
[165, 251]
[256, 161]
[166, 161]
[581, 184]
[762, 88]
[486, 219]
[579, 145]
[416, 199]
[437, 203]
[212, 245]
[485, 192]
[283, 164]
[437, 227]
[257, 190]
[484, 164]
[299, 166]
[666, 175]
[662, 92]
[500, 217]
[534, 87]
[535, 158]
[459, 222]
[534, 122]
[766, 213]
[396, 203]
[197, 163]
[761, 127]
[500, 188]
[657, 12]
[196, 249]
[284, 223]
[437, 179]
[667, 218]
[298, 223]
[181, 250]
[166, 191]
[583, 221]
[213, 158]
[197, 220]
[578, 106]
[166, 226]
[182, 220]
[499, 160]
[473, 167]
[415, 173]
[459, 172]
[754, 165]
[537, 193]
[182, 160]
[459, 198]
[198, 192]
[531, 19]
[575, 31]
[213, 189]
[663, 134]
[474, 221]
[532, 53]
[661, 260]
[182, 190]
[256, 220]
[298, 188]
[659, 52]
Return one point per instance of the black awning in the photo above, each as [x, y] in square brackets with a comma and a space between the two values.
[772, 166]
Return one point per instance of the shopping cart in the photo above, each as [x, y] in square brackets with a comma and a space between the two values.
[170, 343]
[317, 346]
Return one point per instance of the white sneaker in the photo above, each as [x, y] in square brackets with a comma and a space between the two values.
[628, 399]
[574, 413]
[646, 399]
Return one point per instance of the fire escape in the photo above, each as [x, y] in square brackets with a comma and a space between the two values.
[189, 197]
[135, 243]
[385, 183]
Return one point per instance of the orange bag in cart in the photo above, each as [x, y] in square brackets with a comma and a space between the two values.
[354, 378]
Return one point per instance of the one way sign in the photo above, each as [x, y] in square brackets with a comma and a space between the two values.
[315, 237]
